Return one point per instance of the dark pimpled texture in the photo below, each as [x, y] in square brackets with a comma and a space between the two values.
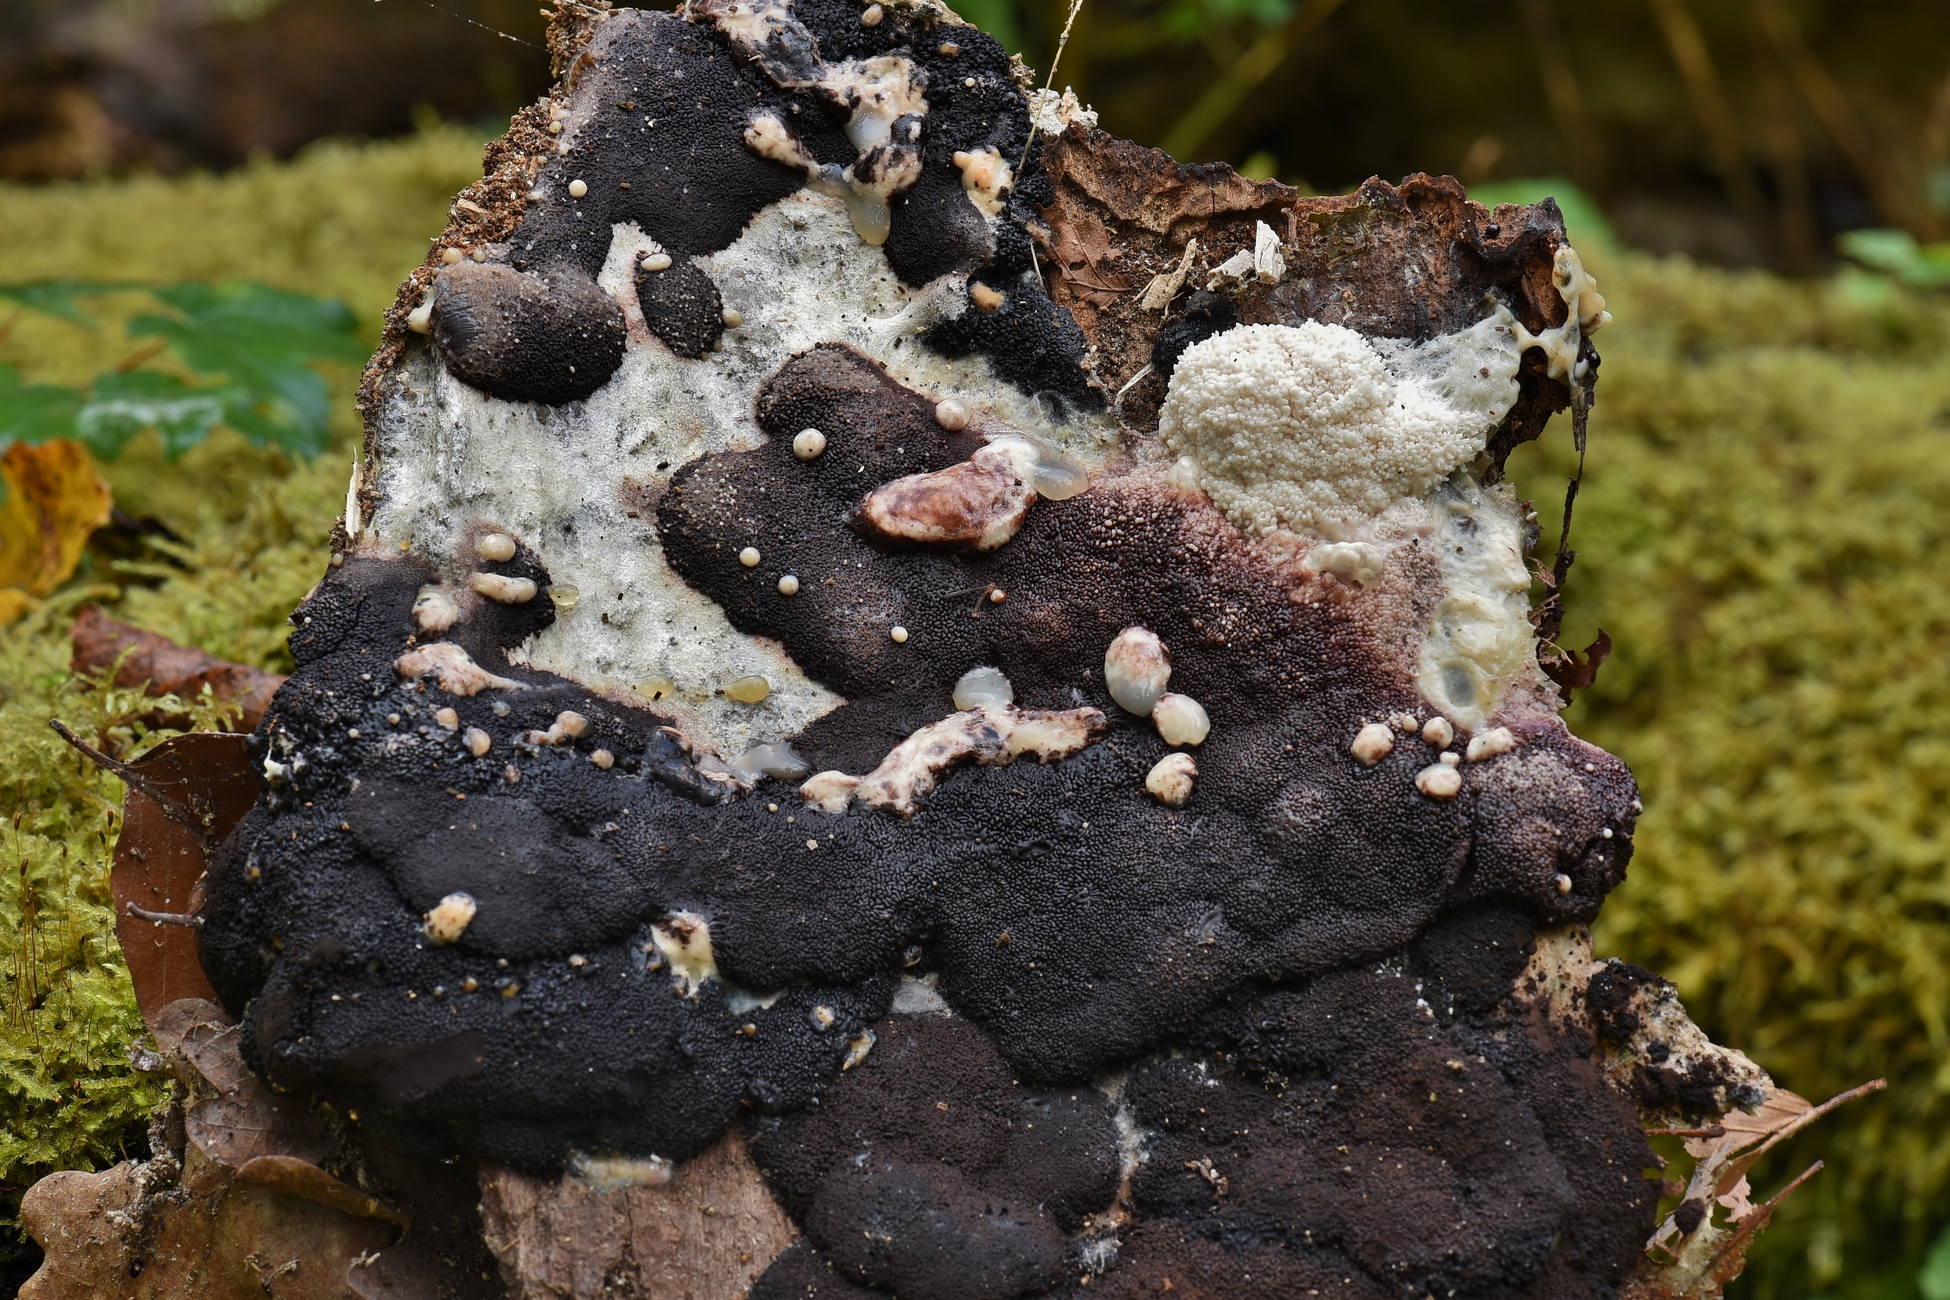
[552, 336]
[682, 307]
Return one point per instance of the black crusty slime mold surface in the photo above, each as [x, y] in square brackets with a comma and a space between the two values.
[1293, 994]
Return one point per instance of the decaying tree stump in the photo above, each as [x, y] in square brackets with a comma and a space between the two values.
[909, 705]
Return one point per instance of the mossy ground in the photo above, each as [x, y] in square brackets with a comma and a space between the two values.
[1764, 529]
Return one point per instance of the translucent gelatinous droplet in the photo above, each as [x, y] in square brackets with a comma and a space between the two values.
[748, 690]
[983, 687]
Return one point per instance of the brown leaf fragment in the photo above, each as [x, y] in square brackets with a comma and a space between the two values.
[302, 1178]
[184, 796]
[162, 667]
[1573, 674]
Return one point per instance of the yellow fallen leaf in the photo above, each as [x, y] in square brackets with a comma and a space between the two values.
[54, 500]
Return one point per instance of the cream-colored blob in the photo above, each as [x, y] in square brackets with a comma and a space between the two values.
[1181, 720]
[1171, 778]
[1480, 641]
[612, 1173]
[987, 737]
[1439, 781]
[1358, 564]
[453, 668]
[1372, 743]
[501, 587]
[449, 918]
[1584, 314]
[985, 174]
[1137, 667]
[1310, 426]
[434, 609]
[447, 454]
[684, 939]
[983, 687]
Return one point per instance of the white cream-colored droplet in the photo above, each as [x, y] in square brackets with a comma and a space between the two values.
[602, 758]
[808, 443]
[572, 724]
[562, 147]
[555, 128]
[1438, 732]
[1563, 883]
[1372, 744]
[1449, 758]
[420, 319]
[451, 255]
[899, 634]
[501, 587]
[1181, 720]
[1136, 667]
[789, 585]
[657, 262]
[564, 596]
[478, 742]
[1403, 722]
[733, 318]
[823, 1017]
[449, 917]
[1439, 781]
[872, 15]
[749, 557]
[447, 718]
[479, 255]
[1171, 778]
[496, 548]
[1488, 744]
[983, 687]
[951, 414]
[578, 188]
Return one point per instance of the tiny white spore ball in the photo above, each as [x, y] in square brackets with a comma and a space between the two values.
[1296, 426]
[807, 444]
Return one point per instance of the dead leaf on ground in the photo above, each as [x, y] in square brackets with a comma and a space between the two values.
[184, 796]
[162, 667]
[54, 500]
[296, 1177]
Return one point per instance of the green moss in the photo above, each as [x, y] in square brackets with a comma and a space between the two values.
[1763, 531]
[343, 220]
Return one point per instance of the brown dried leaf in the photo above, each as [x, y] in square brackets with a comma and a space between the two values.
[163, 667]
[184, 796]
[50, 501]
[1572, 674]
[296, 1177]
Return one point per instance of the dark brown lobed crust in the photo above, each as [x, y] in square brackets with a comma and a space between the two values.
[1404, 1130]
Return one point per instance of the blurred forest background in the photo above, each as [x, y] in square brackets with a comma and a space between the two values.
[1762, 186]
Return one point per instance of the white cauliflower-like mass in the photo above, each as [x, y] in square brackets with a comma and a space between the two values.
[1310, 426]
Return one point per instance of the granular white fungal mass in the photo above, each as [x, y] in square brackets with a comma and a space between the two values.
[1309, 426]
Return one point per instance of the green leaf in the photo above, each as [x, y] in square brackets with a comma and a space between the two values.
[1934, 1280]
[123, 405]
[265, 342]
[57, 297]
[34, 412]
[1897, 253]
